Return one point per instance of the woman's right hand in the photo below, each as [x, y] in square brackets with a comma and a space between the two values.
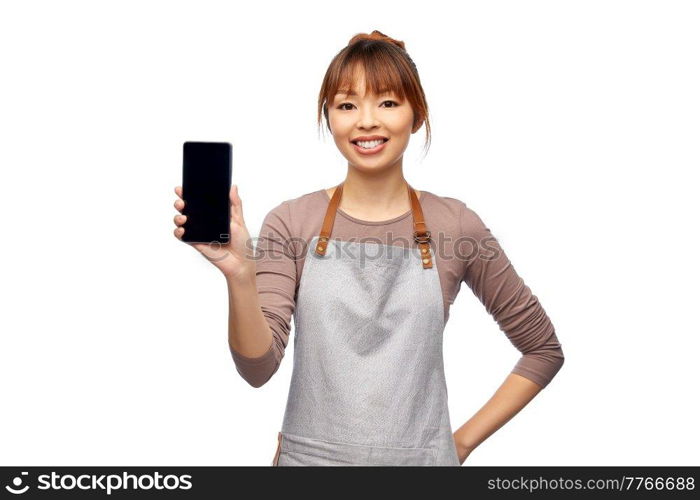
[234, 259]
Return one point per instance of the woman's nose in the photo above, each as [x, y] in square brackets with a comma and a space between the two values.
[367, 117]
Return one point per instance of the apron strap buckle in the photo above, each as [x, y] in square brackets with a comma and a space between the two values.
[421, 238]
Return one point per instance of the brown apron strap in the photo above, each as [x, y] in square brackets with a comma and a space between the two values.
[328, 221]
[276, 459]
[420, 233]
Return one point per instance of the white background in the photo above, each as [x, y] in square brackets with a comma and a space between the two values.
[571, 128]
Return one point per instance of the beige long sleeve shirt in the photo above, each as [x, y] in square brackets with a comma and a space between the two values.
[465, 251]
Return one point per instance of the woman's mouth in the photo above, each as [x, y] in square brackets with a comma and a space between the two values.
[369, 147]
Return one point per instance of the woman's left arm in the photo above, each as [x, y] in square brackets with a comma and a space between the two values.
[509, 399]
[519, 314]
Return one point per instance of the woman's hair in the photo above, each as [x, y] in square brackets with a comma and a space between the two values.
[387, 66]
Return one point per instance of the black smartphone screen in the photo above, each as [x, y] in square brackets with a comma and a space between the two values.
[206, 183]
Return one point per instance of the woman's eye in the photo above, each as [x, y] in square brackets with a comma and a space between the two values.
[342, 106]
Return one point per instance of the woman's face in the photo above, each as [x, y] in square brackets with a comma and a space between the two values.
[356, 116]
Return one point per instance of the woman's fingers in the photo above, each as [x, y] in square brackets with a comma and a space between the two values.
[179, 203]
[179, 219]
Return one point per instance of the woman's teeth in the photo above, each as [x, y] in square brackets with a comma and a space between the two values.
[369, 144]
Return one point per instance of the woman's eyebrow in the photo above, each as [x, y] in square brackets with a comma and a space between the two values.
[352, 92]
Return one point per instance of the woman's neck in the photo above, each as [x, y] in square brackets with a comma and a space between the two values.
[374, 197]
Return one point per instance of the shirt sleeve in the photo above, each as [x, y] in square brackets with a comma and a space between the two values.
[519, 314]
[276, 278]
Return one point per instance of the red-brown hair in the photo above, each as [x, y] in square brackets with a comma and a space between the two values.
[386, 65]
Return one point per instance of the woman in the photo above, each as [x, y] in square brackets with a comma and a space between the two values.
[365, 271]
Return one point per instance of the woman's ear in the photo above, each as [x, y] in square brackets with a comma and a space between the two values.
[417, 125]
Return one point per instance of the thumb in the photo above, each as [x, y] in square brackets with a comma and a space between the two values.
[236, 204]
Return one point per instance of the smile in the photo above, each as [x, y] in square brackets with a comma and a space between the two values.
[369, 147]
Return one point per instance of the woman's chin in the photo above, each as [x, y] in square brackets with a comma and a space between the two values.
[370, 166]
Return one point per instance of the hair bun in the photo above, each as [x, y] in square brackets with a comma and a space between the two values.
[377, 35]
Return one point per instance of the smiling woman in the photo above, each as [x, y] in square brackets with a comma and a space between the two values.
[370, 290]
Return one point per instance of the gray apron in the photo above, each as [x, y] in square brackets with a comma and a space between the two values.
[368, 384]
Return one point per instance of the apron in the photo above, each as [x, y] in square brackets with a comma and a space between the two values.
[368, 384]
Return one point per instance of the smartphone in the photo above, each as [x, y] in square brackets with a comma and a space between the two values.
[206, 183]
